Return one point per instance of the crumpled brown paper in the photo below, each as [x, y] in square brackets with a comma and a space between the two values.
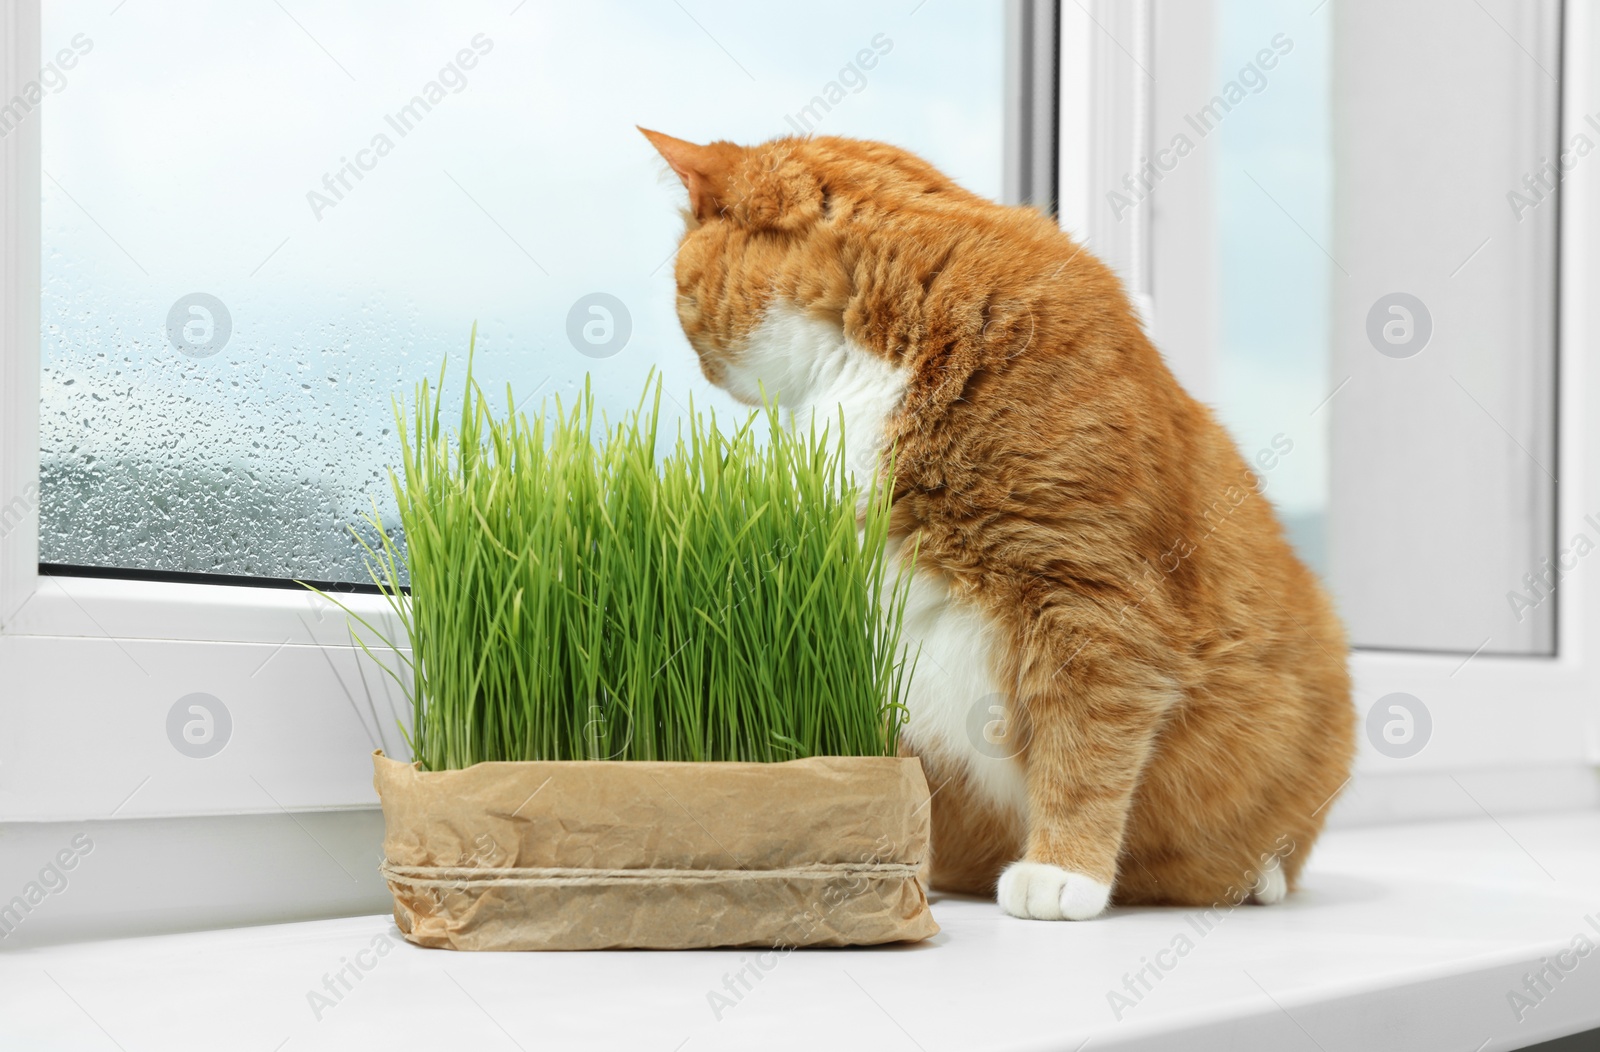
[591, 855]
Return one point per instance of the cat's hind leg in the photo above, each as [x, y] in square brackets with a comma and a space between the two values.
[1272, 886]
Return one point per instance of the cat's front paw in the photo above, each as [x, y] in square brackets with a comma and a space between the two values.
[1040, 891]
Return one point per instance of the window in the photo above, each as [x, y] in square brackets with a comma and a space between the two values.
[1352, 282]
[262, 226]
[1339, 252]
[256, 228]
[215, 277]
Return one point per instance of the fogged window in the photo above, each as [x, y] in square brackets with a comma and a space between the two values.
[262, 222]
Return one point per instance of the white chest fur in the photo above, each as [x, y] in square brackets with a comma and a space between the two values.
[807, 364]
[958, 711]
[956, 708]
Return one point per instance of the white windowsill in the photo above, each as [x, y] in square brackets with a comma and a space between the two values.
[1403, 937]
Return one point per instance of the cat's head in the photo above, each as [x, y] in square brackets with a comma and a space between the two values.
[785, 222]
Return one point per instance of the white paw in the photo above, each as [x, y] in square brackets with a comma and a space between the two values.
[1040, 891]
[1271, 886]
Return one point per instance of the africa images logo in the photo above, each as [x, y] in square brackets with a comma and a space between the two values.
[199, 725]
[199, 325]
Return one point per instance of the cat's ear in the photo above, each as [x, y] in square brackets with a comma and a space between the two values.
[781, 195]
[705, 170]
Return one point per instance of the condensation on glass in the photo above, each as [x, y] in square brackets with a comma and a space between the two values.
[260, 230]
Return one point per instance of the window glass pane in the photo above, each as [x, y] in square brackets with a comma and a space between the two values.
[1385, 226]
[1273, 202]
[261, 223]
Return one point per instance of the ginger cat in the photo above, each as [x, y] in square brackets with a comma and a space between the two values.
[1098, 576]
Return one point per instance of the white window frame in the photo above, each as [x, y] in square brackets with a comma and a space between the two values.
[90, 667]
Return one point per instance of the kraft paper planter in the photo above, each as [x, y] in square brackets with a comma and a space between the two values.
[581, 855]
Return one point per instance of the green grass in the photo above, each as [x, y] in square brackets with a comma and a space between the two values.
[573, 597]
